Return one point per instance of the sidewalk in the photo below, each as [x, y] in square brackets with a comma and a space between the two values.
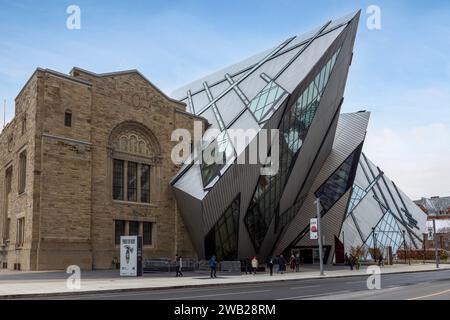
[23, 284]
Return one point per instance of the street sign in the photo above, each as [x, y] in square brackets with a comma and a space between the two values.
[430, 233]
[130, 256]
[313, 229]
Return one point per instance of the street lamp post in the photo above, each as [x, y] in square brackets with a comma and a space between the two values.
[319, 231]
[374, 239]
[436, 254]
[404, 243]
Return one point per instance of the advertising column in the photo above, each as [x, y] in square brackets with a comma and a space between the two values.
[131, 256]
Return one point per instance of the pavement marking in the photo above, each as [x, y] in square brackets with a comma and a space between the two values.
[217, 295]
[431, 295]
[304, 287]
[315, 295]
[355, 282]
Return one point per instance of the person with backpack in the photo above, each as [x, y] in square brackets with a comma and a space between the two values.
[213, 266]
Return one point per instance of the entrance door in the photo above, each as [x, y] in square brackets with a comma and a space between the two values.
[306, 256]
[339, 250]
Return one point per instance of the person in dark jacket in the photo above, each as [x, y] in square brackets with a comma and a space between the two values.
[213, 266]
[282, 264]
[247, 265]
[270, 264]
[179, 265]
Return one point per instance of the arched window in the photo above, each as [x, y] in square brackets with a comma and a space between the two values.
[135, 152]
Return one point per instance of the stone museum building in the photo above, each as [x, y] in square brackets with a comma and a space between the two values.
[87, 159]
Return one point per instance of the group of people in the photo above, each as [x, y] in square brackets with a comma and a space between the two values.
[250, 265]
[280, 262]
[352, 261]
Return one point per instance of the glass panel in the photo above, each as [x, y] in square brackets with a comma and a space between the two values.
[147, 233]
[265, 100]
[145, 183]
[215, 156]
[133, 228]
[119, 230]
[341, 180]
[132, 181]
[118, 183]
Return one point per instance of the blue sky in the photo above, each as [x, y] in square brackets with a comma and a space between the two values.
[401, 73]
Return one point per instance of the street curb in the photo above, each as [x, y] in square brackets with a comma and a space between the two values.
[206, 285]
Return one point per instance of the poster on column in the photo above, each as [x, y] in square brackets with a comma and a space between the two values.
[130, 256]
[313, 229]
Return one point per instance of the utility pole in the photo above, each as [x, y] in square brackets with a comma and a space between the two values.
[436, 254]
[319, 231]
[404, 243]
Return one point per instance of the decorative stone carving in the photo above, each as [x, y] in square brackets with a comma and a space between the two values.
[135, 139]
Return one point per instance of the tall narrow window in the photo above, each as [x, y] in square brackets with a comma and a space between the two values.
[8, 224]
[147, 233]
[22, 172]
[68, 118]
[133, 227]
[119, 230]
[8, 178]
[20, 235]
[118, 180]
[132, 181]
[145, 183]
[24, 125]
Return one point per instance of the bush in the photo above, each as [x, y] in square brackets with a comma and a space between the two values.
[421, 254]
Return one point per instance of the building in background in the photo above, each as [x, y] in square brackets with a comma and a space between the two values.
[232, 211]
[87, 159]
[435, 206]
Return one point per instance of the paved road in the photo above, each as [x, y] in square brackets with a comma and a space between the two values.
[420, 286]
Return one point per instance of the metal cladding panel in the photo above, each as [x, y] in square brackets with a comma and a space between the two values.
[238, 179]
[248, 125]
[191, 182]
[350, 235]
[252, 85]
[301, 67]
[230, 107]
[200, 100]
[329, 104]
[180, 93]
[219, 88]
[350, 134]
[360, 179]
[417, 214]
[367, 214]
[209, 115]
[191, 212]
[274, 65]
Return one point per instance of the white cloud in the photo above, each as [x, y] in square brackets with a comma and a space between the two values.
[417, 159]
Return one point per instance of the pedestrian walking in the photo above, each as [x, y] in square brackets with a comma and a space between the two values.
[380, 260]
[213, 266]
[292, 263]
[297, 262]
[351, 261]
[254, 265]
[282, 264]
[178, 266]
[270, 264]
[247, 265]
[346, 259]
